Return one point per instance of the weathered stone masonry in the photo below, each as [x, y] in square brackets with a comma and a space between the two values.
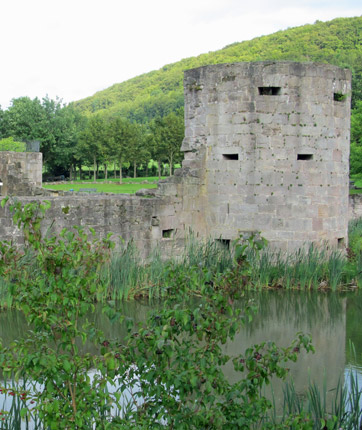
[266, 149]
[21, 173]
[271, 141]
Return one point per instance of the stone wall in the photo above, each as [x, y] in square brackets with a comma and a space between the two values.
[129, 218]
[21, 173]
[355, 206]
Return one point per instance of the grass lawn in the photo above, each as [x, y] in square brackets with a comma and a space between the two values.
[125, 180]
[130, 188]
[357, 182]
[132, 185]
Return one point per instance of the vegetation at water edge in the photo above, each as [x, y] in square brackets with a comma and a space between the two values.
[166, 373]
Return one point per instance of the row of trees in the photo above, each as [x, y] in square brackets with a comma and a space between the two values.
[70, 140]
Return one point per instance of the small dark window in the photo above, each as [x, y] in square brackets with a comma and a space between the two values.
[167, 234]
[230, 156]
[305, 157]
[225, 243]
[339, 97]
[270, 91]
[341, 243]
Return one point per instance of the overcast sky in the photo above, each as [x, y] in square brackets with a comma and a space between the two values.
[73, 48]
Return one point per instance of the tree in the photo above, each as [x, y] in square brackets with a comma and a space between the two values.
[168, 133]
[121, 133]
[2, 134]
[25, 120]
[64, 125]
[92, 142]
[356, 139]
[8, 144]
[138, 151]
[51, 122]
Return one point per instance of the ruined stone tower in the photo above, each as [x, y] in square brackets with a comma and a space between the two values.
[267, 147]
[266, 150]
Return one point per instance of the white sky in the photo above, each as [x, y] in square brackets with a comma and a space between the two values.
[73, 48]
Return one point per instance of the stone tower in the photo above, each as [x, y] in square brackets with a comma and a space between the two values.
[267, 149]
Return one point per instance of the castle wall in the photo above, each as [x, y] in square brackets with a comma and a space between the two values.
[129, 219]
[269, 142]
[20, 173]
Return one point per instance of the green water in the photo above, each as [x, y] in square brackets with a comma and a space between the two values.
[333, 319]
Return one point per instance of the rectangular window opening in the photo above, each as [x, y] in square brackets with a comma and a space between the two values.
[270, 91]
[224, 243]
[341, 243]
[305, 157]
[230, 156]
[339, 97]
[167, 234]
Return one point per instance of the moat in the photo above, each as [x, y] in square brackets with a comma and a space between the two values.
[333, 320]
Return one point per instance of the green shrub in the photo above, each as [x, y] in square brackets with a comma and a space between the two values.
[8, 144]
[167, 373]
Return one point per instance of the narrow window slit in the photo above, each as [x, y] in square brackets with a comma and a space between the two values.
[230, 156]
[270, 91]
[305, 157]
[167, 234]
[224, 243]
[341, 243]
[339, 97]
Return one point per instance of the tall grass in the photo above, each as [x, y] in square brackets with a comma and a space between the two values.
[314, 268]
[127, 276]
[342, 411]
[305, 269]
[16, 413]
[317, 408]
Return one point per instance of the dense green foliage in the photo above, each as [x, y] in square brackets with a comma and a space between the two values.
[160, 92]
[142, 119]
[167, 373]
[9, 144]
[55, 125]
[356, 139]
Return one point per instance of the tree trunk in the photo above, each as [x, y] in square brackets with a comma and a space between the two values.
[105, 172]
[120, 171]
[80, 172]
[159, 169]
[95, 165]
[115, 170]
[171, 164]
[135, 170]
[97, 170]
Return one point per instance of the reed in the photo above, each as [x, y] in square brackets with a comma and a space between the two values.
[310, 268]
[343, 411]
[15, 411]
[127, 276]
[317, 408]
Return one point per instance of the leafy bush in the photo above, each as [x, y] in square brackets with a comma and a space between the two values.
[167, 373]
[8, 144]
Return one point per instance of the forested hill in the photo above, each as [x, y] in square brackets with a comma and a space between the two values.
[160, 92]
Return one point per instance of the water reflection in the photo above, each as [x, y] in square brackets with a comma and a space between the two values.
[333, 320]
[281, 315]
